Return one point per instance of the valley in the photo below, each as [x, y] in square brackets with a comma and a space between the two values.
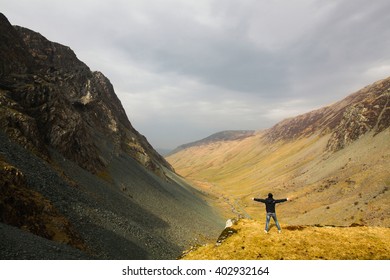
[78, 181]
[332, 163]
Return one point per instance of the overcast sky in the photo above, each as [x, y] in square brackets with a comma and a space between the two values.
[185, 69]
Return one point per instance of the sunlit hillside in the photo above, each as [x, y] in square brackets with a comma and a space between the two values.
[333, 162]
[248, 242]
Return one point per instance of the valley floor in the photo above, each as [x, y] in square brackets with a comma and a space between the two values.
[249, 242]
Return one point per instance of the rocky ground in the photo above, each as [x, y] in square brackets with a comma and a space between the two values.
[124, 220]
[17, 244]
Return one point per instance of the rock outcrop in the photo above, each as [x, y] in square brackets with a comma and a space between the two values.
[371, 112]
[366, 110]
[50, 99]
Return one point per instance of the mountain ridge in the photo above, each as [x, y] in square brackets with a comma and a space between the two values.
[369, 106]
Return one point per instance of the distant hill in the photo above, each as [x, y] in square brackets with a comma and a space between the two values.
[77, 180]
[335, 162]
[163, 151]
[227, 135]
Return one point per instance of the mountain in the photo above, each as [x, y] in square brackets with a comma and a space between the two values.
[334, 163]
[77, 180]
[65, 105]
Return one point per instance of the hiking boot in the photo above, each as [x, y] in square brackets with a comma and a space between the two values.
[280, 231]
[265, 231]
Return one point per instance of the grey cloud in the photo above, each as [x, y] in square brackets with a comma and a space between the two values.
[349, 40]
[178, 43]
[196, 67]
[229, 66]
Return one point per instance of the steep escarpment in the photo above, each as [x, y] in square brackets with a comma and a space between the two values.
[75, 173]
[370, 113]
[364, 111]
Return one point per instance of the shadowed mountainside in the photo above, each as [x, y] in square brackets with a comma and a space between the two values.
[75, 176]
[50, 98]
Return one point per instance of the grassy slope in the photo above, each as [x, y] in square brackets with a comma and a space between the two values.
[298, 243]
[349, 186]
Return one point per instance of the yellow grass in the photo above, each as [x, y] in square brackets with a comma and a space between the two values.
[298, 243]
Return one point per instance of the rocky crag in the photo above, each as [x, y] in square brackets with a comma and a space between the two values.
[51, 99]
[347, 120]
[73, 169]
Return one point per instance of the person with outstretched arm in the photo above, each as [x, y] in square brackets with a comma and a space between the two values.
[270, 204]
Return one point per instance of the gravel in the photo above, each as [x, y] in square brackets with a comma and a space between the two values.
[16, 244]
[131, 214]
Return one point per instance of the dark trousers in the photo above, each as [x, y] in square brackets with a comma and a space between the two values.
[273, 215]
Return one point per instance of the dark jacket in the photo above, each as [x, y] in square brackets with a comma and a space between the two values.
[270, 203]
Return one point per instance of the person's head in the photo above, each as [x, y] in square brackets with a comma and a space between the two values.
[270, 195]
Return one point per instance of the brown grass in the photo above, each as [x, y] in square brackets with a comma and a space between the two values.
[298, 243]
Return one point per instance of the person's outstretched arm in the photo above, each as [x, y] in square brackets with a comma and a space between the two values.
[258, 199]
[281, 200]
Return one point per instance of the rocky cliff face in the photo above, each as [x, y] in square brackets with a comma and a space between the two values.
[50, 99]
[366, 110]
[370, 112]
